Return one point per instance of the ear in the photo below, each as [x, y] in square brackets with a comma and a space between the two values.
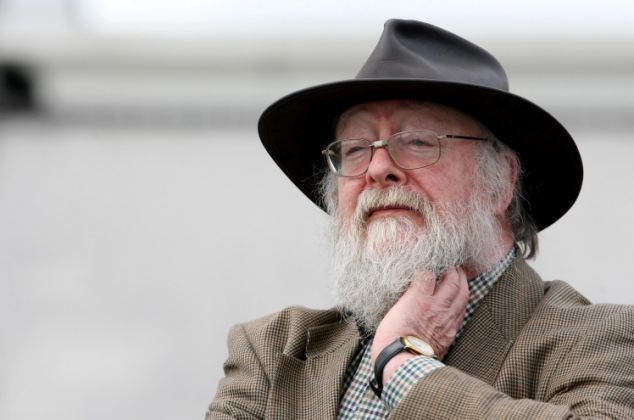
[507, 196]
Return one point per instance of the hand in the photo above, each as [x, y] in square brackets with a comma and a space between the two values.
[430, 310]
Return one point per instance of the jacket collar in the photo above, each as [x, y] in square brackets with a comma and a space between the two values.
[489, 335]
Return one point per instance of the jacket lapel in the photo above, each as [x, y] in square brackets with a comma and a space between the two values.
[489, 335]
[311, 387]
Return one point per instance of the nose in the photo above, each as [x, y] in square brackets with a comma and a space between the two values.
[383, 171]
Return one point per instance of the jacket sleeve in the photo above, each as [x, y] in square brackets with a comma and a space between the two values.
[242, 392]
[595, 379]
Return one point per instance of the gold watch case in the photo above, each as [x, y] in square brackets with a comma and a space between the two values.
[417, 346]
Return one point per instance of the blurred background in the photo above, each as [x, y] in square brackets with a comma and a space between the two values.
[140, 217]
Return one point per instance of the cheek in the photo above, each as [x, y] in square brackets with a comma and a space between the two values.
[444, 181]
[347, 194]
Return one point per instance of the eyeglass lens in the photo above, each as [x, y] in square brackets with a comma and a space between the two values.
[409, 150]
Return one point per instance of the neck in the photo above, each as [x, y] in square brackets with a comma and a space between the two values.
[505, 241]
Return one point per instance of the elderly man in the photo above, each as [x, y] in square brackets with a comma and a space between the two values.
[438, 181]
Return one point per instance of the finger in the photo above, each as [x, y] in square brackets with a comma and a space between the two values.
[458, 306]
[424, 282]
[459, 302]
[453, 282]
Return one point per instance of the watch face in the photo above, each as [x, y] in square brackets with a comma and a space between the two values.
[417, 345]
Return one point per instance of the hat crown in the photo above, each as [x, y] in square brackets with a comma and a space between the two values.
[410, 49]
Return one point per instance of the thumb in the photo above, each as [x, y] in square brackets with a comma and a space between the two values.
[424, 282]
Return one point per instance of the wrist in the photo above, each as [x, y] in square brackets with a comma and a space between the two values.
[393, 365]
[394, 355]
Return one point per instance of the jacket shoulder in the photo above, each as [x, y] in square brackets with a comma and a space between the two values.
[562, 302]
[565, 316]
[286, 331]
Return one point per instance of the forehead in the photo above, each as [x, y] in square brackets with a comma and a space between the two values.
[404, 115]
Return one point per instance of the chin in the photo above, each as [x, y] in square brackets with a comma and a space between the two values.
[388, 233]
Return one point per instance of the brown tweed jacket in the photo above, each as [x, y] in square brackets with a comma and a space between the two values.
[532, 350]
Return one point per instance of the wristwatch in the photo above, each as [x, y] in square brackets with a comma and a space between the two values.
[409, 343]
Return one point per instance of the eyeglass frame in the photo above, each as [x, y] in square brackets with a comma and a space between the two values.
[383, 143]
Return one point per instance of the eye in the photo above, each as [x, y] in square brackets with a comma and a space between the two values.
[416, 141]
[353, 148]
[351, 151]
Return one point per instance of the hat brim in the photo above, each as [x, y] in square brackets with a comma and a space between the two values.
[297, 127]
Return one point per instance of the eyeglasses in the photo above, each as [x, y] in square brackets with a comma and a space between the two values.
[408, 149]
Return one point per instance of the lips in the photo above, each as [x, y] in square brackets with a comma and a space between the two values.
[386, 210]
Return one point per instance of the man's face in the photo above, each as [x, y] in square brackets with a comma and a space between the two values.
[448, 180]
[391, 223]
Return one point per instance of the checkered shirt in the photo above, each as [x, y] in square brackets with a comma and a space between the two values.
[359, 402]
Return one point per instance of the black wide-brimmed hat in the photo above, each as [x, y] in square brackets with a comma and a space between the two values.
[415, 60]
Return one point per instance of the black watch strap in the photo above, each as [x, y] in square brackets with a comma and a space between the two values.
[385, 356]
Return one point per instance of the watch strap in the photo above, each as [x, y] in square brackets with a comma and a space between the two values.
[382, 359]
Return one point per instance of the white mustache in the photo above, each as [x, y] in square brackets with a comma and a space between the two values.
[373, 199]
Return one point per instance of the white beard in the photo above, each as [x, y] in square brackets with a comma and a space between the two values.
[374, 261]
